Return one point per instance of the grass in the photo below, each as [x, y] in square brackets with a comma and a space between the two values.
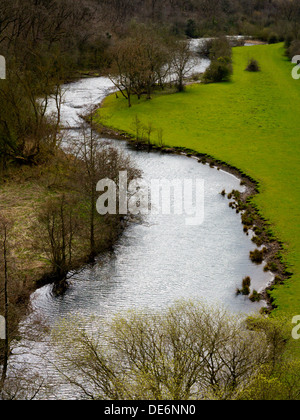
[22, 193]
[252, 123]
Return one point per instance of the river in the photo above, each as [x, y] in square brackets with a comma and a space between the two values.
[159, 259]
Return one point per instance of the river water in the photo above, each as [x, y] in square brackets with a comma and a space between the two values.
[159, 259]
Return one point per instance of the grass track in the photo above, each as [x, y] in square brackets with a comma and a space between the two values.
[253, 123]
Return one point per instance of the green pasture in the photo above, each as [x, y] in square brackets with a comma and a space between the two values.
[252, 123]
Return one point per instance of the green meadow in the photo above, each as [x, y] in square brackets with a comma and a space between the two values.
[252, 123]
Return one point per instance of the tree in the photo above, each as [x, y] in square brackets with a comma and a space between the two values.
[122, 71]
[17, 380]
[90, 153]
[94, 160]
[58, 224]
[182, 61]
[220, 68]
[187, 351]
[139, 62]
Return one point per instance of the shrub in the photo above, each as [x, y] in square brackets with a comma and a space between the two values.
[293, 49]
[218, 71]
[253, 66]
[247, 219]
[246, 286]
[247, 281]
[271, 266]
[288, 41]
[257, 256]
[257, 240]
[255, 296]
[278, 280]
[245, 291]
[219, 52]
[273, 38]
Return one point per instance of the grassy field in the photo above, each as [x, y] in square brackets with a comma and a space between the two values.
[253, 123]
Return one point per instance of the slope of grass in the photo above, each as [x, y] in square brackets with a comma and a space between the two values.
[253, 123]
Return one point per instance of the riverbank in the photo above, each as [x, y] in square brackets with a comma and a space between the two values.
[249, 123]
[253, 223]
[25, 193]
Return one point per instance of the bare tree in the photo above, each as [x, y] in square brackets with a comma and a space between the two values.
[182, 61]
[140, 62]
[55, 235]
[188, 351]
[123, 70]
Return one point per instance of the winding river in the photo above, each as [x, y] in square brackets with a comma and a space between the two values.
[160, 259]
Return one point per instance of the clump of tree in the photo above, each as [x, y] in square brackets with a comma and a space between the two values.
[44, 44]
[220, 54]
[148, 58]
[188, 351]
[293, 48]
[27, 134]
[69, 231]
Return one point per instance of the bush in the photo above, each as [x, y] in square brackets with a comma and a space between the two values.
[247, 281]
[271, 266]
[288, 41]
[247, 219]
[257, 256]
[219, 52]
[255, 296]
[245, 290]
[218, 71]
[293, 49]
[273, 38]
[246, 286]
[257, 240]
[253, 66]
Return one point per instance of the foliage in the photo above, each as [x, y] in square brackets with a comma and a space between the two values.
[188, 351]
[253, 65]
[245, 290]
[220, 69]
[293, 49]
[147, 58]
[257, 256]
